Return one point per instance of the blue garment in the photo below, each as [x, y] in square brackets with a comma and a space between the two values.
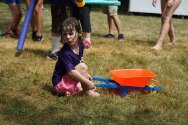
[67, 60]
[13, 1]
[62, 2]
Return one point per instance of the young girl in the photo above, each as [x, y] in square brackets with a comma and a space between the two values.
[70, 75]
[168, 7]
[16, 9]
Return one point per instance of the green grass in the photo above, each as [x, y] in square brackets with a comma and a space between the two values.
[25, 81]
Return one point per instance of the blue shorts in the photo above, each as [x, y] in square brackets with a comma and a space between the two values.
[13, 1]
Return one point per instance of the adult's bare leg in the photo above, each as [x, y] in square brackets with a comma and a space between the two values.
[20, 14]
[38, 15]
[13, 17]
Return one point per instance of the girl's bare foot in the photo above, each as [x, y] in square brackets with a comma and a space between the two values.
[173, 42]
[67, 94]
[92, 93]
[157, 47]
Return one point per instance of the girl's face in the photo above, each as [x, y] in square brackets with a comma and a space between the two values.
[71, 37]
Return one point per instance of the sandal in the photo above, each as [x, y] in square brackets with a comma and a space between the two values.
[5, 35]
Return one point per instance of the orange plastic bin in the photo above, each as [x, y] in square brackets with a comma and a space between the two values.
[132, 77]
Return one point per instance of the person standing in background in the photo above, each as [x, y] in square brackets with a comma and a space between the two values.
[113, 20]
[168, 8]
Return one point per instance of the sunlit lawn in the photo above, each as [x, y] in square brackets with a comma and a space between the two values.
[25, 81]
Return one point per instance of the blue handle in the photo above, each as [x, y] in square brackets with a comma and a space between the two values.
[25, 25]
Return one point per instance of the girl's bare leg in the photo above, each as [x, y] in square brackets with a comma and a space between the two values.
[38, 12]
[110, 24]
[117, 24]
[19, 8]
[13, 17]
[161, 36]
[166, 22]
[83, 69]
[171, 34]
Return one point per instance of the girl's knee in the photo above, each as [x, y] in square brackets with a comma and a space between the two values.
[38, 9]
[81, 67]
[166, 19]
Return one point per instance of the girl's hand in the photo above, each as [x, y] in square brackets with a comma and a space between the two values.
[89, 77]
[170, 3]
[154, 3]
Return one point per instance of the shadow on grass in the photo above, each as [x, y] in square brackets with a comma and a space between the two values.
[19, 111]
[49, 88]
[148, 42]
[72, 111]
[37, 52]
[98, 35]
